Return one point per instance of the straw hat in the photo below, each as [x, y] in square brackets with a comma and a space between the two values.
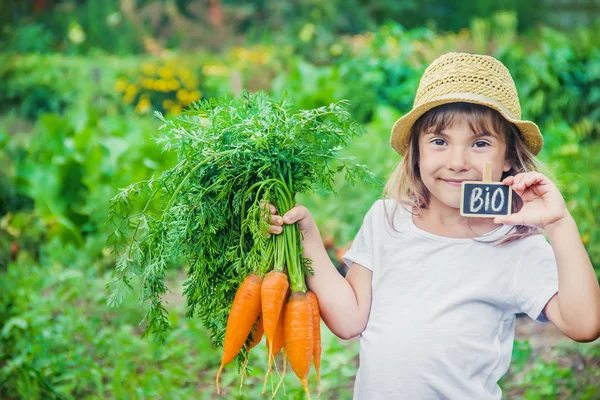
[470, 78]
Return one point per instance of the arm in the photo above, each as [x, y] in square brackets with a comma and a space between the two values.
[575, 310]
[345, 303]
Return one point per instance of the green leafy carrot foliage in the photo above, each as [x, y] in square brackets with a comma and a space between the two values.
[205, 211]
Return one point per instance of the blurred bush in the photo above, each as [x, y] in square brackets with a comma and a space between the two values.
[311, 26]
[557, 76]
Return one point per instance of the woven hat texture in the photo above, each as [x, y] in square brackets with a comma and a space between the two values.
[471, 78]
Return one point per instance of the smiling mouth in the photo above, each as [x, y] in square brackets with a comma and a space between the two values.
[454, 182]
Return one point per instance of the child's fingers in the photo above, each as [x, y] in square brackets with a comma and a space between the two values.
[508, 180]
[536, 178]
[264, 206]
[518, 184]
[273, 220]
[528, 179]
[275, 229]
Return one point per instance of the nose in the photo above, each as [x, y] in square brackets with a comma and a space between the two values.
[457, 160]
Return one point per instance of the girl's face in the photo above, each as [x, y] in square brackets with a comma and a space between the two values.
[458, 154]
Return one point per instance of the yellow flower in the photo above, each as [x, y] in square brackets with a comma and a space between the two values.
[143, 105]
[163, 86]
[166, 73]
[215, 70]
[148, 83]
[148, 69]
[190, 84]
[128, 98]
[182, 96]
[185, 73]
[121, 85]
[173, 85]
[176, 109]
[131, 90]
[168, 104]
[194, 96]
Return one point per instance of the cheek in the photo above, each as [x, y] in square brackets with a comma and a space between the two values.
[424, 167]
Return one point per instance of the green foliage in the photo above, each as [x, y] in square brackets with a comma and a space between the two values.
[570, 370]
[35, 84]
[31, 38]
[79, 159]
[68, 26]
[231, 155]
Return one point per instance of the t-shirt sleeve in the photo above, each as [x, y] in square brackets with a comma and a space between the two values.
[536, 279]
[361, 250]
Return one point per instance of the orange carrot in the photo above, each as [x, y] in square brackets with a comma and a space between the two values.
[244, 312]
[277, 346]
[298, 332]
[252, 342]
[278, 339]
[316, 319]
[258, 334]
[273, 293]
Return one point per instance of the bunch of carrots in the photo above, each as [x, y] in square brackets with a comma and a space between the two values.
[278, 305]
[205, 212]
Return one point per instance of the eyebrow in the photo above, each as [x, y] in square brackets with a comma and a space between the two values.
[442, 134]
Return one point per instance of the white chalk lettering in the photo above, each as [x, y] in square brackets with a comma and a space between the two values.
[476, 196]
[498, 193]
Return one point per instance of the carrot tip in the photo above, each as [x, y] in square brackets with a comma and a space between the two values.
[268, 371]
[244, 372]
[320, 386]
[281, 376]
[217, 380]
[305, 386]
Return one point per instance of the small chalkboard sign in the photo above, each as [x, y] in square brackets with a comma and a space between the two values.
[485, 199]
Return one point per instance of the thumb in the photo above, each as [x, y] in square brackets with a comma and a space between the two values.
[293, 215]
[289, 217]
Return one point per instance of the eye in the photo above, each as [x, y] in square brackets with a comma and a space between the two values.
[438, 142]
[481, 143]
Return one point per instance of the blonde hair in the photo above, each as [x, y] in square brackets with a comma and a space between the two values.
[408, 190]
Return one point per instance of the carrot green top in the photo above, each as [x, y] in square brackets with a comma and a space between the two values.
[205, 212]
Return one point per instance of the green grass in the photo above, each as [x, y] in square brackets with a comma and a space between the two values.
[61, 339]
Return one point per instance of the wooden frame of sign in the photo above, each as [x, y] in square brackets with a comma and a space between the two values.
[484, 201]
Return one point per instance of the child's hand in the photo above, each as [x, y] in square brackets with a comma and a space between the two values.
[543, 203]
[299, 214]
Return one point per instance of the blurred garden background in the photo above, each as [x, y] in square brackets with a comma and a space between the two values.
[79, 82]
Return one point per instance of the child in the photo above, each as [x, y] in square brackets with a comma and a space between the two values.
[433, 294]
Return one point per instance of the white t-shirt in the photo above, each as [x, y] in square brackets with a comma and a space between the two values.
[442, 320]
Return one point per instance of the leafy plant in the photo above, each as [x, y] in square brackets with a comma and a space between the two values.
[233, 154]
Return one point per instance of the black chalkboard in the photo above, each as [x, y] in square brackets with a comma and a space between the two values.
[485, 199]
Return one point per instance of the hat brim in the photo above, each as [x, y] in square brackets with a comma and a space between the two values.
[399, 139]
